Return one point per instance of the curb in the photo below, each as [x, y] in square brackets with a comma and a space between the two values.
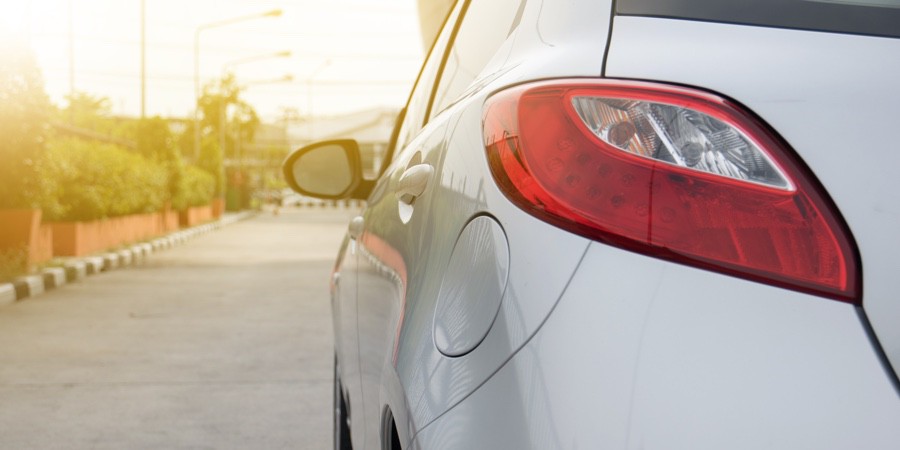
[93, 265]
[28, 286]
[77, 269]
[54, 277]
[110, 261]
[7, 294]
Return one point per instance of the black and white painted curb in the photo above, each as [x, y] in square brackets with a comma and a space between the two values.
[313, 203]
[76, 269]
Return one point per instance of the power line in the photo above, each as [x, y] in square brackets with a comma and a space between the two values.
[183, 78]
[286, 34]
[310, 7]
[232, 50]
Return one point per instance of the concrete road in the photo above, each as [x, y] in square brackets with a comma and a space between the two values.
[224, 342]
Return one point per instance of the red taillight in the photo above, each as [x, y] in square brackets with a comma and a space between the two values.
[673, 173]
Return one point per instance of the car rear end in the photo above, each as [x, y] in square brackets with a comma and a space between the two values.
[770, 319]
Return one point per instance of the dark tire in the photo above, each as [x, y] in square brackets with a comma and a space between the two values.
[341, 420]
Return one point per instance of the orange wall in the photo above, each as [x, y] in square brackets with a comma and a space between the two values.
[22, 229]
[196, 215]
[83, 238]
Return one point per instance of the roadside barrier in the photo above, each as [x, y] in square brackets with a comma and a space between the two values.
[75, 269]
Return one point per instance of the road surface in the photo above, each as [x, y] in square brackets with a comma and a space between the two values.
[223, 342]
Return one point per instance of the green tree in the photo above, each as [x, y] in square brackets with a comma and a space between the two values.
[156, 142]
[224, 113]
[86, 110]
[226, 121]
[155, 139]
[211, 160]
[93, 114]
[24, 114]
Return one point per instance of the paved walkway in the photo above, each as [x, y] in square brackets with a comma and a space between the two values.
[224, 342]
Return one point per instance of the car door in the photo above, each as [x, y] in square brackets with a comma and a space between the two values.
[387, 240]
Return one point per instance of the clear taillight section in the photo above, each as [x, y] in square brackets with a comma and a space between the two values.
[671, 172]
[680, 136]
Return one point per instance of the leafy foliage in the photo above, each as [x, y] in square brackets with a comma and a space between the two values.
[226, 122]
[225, 114]
[155, 140]
[13, 262]
[24, 108]
[211, 161]
[199, 187]
[84, 171]
[88, 111]
[96, 179]
[101, 180]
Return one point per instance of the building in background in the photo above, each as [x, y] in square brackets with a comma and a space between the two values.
[255, 170]
[371, 128]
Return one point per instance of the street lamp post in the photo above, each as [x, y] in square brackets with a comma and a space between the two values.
[71, 30]
[143, 60]
[197, 31]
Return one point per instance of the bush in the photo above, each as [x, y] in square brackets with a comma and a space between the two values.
[197, 188]
[211, 161]
[24, 109]
[73, 179]
[95, 180]
[13, 262]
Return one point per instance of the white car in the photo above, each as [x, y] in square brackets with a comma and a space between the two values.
[628, 224]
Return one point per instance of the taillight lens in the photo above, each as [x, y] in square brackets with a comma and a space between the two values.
[673, 173]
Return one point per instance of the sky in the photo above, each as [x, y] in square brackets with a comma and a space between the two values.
[345, 55]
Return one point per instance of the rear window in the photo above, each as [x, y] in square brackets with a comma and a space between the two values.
[866, 17]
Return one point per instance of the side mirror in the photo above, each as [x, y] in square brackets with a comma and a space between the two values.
[328, 170]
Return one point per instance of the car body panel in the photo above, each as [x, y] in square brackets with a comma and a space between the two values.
[833, 97]
[390, 254]
[472, 287]
[346, 337]
[413, 276]
[596, 347]
[673, 357]
[401, 265]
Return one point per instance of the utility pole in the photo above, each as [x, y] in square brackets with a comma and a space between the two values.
[143, 59]
[71, 61]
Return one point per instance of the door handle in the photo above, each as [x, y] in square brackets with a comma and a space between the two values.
[356, 226]
[413, 182]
